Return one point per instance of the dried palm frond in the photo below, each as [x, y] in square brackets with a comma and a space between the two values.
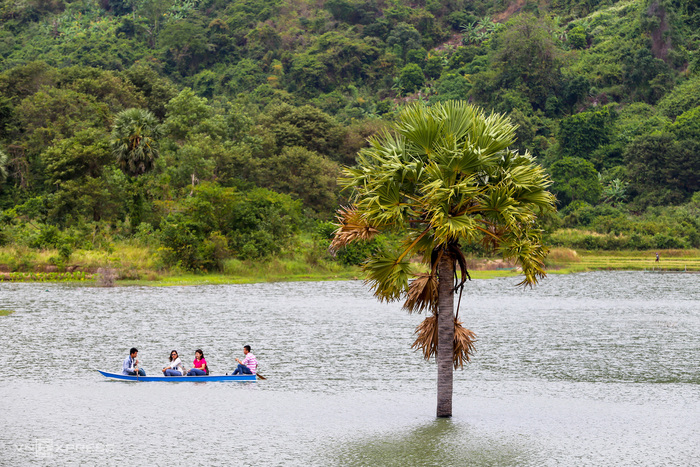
[464, 345]
[427, 341]
[422, 293]
[427, 337]
[351, 226]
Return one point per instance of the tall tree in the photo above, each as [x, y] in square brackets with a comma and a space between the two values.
[445, 176]
[135, 146]
[575, 179]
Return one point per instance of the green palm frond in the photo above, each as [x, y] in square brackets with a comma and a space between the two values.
[453, 227]
[492, 134]
[501, 204]
[388, 274]
[528, 251]
[541, 199]
[420, 127]
[420, 244]
[458, 117]
[470, 160]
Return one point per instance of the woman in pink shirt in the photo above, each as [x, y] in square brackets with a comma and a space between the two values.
[200, 365]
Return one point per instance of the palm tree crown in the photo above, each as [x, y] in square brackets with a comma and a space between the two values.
[134, 141]
[445, 176]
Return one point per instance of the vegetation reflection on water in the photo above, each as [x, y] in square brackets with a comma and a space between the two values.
[438, 442]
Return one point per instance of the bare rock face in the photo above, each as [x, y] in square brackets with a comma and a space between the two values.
[661, 42]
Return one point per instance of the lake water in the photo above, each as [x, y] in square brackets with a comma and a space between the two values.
[599, 368]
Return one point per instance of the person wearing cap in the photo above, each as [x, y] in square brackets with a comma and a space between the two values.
[249, 365]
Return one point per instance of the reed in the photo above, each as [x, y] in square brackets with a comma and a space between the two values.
[563, 255]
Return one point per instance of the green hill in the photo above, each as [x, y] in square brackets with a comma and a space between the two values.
[248, 109]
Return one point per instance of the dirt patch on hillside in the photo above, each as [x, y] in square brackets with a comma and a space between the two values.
[660, 41]
[454, 41]
[512, 9]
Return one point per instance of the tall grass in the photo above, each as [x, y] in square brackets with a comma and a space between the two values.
[129, 260]
[562, 255]
[281, 268]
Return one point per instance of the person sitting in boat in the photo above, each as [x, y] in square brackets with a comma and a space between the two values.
[175, 367]
[249, 365]
[131, 365]
[200, 365]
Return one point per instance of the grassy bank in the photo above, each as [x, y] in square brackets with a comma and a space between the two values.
[563, 260]
[138, 265]
[141, 265]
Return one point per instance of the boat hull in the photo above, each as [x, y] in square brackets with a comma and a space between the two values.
[178, 379]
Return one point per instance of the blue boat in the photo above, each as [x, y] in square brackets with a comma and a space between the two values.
[177, 379]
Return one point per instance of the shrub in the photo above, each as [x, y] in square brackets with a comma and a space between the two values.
[326, 230]
[665, 242]
[356, 253]
[577, 38]
[180, 243]
[412, 78]
[48, 236]
[213, 251]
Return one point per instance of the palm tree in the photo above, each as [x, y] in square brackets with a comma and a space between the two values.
[134, 141]
[445, 176]
[135, 145]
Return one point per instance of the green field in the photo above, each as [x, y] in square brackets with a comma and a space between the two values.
[669, 260]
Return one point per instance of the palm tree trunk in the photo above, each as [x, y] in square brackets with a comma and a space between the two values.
[446, 335]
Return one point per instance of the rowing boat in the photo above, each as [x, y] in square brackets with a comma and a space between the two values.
[174, 379]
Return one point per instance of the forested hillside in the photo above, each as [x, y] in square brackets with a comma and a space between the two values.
[216, 129]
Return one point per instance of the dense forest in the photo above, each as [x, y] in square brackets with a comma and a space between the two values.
[209, 129]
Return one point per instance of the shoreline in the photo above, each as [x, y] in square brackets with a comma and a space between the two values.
[560, 261]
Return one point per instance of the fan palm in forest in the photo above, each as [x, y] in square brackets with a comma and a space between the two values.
[135, 146]
[135, 141]
[444, 177]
